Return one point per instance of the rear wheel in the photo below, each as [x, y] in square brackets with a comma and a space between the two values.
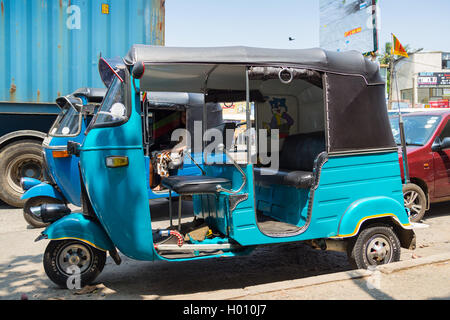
[37, 202]
[415, 200]
[376, 245]
[17, 160]
[72, 264]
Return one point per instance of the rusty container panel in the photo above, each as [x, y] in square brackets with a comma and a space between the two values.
[50, 48]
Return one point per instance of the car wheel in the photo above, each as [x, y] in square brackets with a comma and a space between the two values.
[415, 200]
[17, 160]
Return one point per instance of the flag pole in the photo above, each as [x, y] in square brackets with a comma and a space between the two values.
[400, 118]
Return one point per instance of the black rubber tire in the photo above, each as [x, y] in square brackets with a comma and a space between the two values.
[420, 200]
[13, 157]
[36, 202]
[357, 247]
[53, 269]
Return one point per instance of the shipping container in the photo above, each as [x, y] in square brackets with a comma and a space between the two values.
[50, 48]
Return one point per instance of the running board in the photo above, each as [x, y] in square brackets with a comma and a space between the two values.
[195, 247]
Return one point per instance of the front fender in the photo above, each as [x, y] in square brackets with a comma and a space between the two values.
[28, 183]
[79, 227]
[43, 190]
[370, 209]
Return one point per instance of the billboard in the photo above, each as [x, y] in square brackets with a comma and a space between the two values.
[433, 79]
[349, 25]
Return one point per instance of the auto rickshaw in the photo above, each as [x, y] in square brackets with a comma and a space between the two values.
[162, 113]
[62, 185]
[322, 167]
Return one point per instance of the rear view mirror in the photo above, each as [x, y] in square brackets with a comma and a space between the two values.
[138, 70]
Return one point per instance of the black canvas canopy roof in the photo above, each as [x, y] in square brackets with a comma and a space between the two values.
[354, 92]
[351, 62]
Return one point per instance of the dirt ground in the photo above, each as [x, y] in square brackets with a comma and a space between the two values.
[22, 273]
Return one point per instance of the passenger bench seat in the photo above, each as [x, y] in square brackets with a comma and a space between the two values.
[297, 158]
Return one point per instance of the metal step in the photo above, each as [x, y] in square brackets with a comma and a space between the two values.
[195, 247]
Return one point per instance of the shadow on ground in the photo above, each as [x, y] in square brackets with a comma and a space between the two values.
[161, 279]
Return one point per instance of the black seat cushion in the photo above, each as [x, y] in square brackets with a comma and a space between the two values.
[194, 184]
[297, 158]
[297, 179]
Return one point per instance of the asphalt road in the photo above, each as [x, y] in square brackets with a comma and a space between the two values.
[21, 270]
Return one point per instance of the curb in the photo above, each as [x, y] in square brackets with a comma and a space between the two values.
[230, 294]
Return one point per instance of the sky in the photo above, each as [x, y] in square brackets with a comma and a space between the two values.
[270, 23]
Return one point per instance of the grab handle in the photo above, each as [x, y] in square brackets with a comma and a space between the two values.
[188, 153]
[219, 188]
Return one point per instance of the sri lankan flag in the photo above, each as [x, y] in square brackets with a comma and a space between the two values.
[397, 48]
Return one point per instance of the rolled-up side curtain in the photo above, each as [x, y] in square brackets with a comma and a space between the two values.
[357, 116]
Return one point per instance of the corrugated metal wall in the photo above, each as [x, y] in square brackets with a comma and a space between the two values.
[50, 48]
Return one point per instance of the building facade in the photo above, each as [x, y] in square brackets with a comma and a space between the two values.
[422, 80]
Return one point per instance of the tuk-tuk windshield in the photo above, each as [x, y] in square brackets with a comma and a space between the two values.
[112, 110]
[67, 124]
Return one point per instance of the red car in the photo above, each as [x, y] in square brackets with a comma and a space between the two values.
[427, 136]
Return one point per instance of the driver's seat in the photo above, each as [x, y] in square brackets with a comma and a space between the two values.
[188, 185]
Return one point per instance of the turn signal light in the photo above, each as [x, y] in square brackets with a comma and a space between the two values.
[116, 162]
[60, 154]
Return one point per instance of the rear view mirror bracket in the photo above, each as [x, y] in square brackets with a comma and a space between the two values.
[73, 148]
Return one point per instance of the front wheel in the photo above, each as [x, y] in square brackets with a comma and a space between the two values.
[37, 202]
[72, 264]
[374, 246]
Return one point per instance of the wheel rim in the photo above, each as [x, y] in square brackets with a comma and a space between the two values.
[74, 255]
[23, 166]
[412, 202]
[379, 251]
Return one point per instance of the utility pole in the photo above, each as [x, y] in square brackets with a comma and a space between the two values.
[391, 82]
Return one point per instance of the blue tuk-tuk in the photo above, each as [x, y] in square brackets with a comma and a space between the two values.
[162, 111]
[321, 167]
[62, 183]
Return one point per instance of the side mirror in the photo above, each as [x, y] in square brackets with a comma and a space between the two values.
[138, 70]
[439, 145]
[445, 144]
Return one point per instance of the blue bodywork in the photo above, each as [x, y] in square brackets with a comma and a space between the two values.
[350, 191]
[63, 171]
[43, 189]
[29, 183]
[77, 226]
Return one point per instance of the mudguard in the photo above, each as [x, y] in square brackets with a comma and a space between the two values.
[28, 183]
[79, 227]
[43, 190]
[370, 209]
